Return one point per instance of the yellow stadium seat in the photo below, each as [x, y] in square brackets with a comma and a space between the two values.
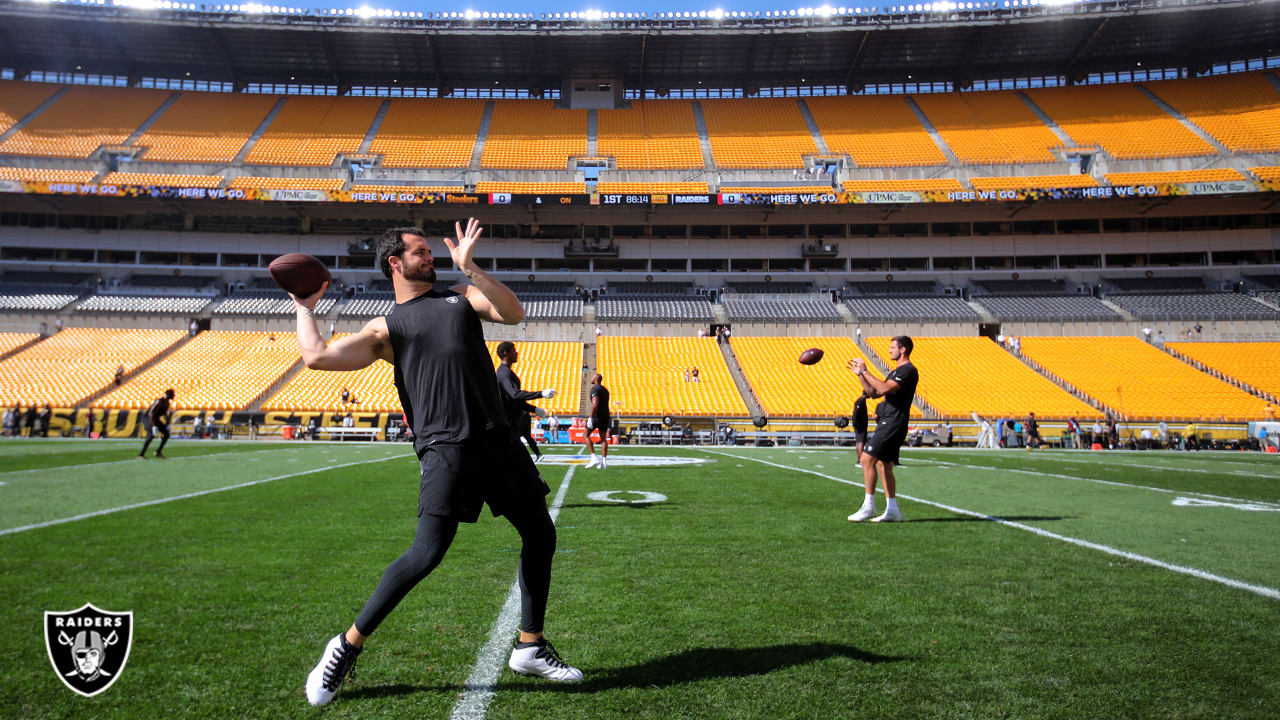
[763, 133]
[313, 130]
[876, 130]
[19, 99]
[266, 183]
[46, 175]
[85, 118]
[533, 134]
[407, 188]
[205, 127]
[691, 188]
[1140, 381]
[1120, 119]
[941, 184]
[1032, 182]
[1241, 110]
[215, 370]
[424, 132]
[989, 128]
[1254, 363]
[10, 341]
[532, 188]
[652, 135]
[645, 376]
[956, 376]
[1173, 177]
[785, 388]
[542, 365]
[70, 366]
[124, 178]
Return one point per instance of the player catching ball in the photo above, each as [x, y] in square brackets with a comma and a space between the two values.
[881, 452]
[468, 453]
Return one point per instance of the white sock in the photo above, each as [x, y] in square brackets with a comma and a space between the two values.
[893, 505]
[869, 500]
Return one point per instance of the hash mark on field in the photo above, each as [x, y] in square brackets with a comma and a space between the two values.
[1262, 590]
[130, 461]
[474, 703]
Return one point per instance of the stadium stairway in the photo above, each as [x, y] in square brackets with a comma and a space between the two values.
[374, 127]
[818, 141]
[704, 140]
[20, 348]
[1044, 118]
[1116, 308]
[146, 124]
[258, 132]
[482, 134]
[34, 113]
[1077, 392]
[89, 401]
[1273, 79]
[1230, 380]
[1186, 122]
[740, 380]
[946, 150]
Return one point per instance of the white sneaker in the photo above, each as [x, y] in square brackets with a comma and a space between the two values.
[541, 659]
[604, 463]
[894, 515]
[864, 513]
[594, 461]
[338, 660]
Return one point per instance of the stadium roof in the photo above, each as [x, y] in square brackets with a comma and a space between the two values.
[537, 52]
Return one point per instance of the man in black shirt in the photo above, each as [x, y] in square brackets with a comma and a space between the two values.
[1033, 431]
[860, 424]
[464, 443]
[514, 399]
[898, 390]
[157, 417]
[599, 422]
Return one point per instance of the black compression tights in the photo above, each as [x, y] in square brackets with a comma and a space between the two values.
[432, 540]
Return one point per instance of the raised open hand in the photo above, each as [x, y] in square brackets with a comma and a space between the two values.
[464, 248]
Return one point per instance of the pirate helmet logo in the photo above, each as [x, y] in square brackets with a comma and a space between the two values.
[88, 647]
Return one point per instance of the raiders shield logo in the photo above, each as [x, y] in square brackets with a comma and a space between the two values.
[88, 647]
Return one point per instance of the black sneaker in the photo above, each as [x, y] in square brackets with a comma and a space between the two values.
[337, 662]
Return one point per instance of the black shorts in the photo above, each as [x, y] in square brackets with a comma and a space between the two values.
[495, 469]
[601, 423]
[886, 442]
[860, 436]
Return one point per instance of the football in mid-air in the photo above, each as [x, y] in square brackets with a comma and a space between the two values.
[299, 274]
[810, 356]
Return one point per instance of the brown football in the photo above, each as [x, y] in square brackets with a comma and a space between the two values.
[299, 273]
[810, 356]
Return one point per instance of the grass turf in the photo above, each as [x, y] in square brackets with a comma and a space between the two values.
[745, 595]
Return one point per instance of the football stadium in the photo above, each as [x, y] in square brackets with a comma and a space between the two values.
[732, 276]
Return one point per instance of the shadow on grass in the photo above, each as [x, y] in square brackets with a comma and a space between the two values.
[633, 506]
[1013, 518]
[676, 669]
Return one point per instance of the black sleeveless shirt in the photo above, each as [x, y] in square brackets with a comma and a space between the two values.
[443, 373]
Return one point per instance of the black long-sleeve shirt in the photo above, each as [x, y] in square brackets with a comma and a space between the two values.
[514, 400]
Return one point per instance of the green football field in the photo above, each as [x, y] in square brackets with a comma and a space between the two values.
[689, 583]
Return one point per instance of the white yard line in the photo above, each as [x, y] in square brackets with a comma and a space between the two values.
[1262, 590]
[1114, 483]
[481, 683]
[132, 460]
[97, 513]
